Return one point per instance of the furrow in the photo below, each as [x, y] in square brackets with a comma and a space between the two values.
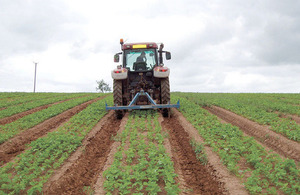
[83, 167]
[14, 146]
[277, 142]
[199, 178]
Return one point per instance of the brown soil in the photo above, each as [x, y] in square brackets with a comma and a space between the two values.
[2, 109]
[84, 171]
[231, 183]
[184, 188]
[98, 187]
[15, 117]
[200, 179]
[277, 142]
[293, 117]
[17, 144]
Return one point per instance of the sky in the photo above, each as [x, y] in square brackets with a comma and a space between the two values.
[216, 46]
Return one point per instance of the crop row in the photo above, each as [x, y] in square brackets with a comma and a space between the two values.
[13, 95]
[270, 104]
[33, 104]
[141, 160]
[31, 169]
[20, 98]
[252, 111]
[266, 172]
[293, 99]
[9, 130]
[276, 106]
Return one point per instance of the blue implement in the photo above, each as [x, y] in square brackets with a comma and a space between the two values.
[132, 105]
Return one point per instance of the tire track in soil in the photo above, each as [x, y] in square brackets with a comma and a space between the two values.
[293, 117]
[277, 142]
[98, 187]
[179, 179]
[17, 116]
[84, 166]
[198, 177]
[16, 145]
[232, 184]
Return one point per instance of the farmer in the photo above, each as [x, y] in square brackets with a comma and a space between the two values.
[142, 57]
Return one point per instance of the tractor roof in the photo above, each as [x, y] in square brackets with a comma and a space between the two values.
[144, 45]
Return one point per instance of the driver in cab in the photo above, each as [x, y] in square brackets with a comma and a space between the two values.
[142, 57]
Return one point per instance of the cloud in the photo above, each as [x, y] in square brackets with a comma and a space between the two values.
[32, 26]
[247, 46]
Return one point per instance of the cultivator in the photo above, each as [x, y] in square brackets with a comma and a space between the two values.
[133, 106]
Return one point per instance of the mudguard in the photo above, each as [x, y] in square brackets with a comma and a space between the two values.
[119, 73]
[161, 72]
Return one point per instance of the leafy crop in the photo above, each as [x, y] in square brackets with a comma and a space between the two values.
[9, 130]
[10, 99]
[268, 172]
[31, 169]
[199, 150]
[258, 110]
[36, 103]
[141, 161]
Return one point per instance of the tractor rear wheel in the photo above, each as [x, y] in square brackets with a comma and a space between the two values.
[118, 99]
[165, 95]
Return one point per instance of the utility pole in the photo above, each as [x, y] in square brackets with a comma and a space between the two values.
[34, 76]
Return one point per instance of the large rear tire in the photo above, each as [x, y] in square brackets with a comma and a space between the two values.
[165, 95]
[118, 99]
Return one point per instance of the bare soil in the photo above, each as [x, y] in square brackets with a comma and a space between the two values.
[180, 177]
[17, 144]
[293, 117]
[277, 142]
[15, 117]
[199, 178]
[232, 184]
[98, 187]
[83, 170]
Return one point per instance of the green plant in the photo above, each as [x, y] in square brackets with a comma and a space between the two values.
[33, 168]
[146, 160]
[266, 169]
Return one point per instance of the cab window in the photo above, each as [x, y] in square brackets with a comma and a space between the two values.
[140, 60]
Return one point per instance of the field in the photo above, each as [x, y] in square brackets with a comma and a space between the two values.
[66, 143]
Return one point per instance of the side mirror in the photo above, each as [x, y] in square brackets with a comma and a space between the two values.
[116, 57]
[168, 55]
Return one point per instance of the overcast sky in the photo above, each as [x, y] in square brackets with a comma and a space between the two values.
[216, 46]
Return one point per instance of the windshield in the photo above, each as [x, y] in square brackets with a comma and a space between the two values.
[141, 59]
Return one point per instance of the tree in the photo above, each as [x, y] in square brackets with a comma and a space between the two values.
[102, 86]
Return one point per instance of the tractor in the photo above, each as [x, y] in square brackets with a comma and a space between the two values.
[142, 81]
